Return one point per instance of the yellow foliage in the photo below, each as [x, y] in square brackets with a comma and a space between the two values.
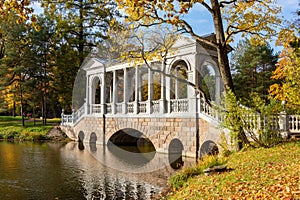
[288, 71]
[21, 8]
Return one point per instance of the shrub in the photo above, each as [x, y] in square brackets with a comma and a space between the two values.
[180, 178]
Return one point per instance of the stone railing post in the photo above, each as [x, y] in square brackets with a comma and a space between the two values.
[73, 115]
[284, 122]
[85, 107]
[62, 117]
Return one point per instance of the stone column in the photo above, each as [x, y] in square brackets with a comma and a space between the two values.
[190, 89]
[125, 92]
[137, 84]
[114, 93]
[176, 84]
[150, 91]
[103, 94]
[86, 111]
[168, 94]
[218, 89]
[162, 103]
[90, 97]
[284, 122]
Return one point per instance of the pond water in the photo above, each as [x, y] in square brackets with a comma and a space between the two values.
[80, 171]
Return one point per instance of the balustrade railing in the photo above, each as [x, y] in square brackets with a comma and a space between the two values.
[108, 108]
[142, 107]
[119, 107]
[179, 105]
[294, 123]
[66, 119]
[130, 107]
[155, 106]
[96, 108]
[252, 120]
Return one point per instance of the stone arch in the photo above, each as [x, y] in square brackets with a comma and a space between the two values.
[129, 137]
[178, 89]
[96, 90]
[175, 153]
[209, 147]
[210, 80]
[176, 61]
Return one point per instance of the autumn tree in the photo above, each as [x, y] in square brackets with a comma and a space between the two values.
[254, 17]
[245, 17]
[288, 71]
[22, 8]
[253, 66]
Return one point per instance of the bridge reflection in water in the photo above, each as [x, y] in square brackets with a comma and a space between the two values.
[122, 172]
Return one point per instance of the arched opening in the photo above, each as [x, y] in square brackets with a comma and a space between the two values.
[80, 136]
[80, 140]
[208, 148]
[208, 81]
[175, 153]
[128, 138]
[93, 140]
[178, 86]
[132, 146]
[96, 91]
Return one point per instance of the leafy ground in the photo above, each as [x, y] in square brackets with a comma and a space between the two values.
[272, 173]
[11, 128]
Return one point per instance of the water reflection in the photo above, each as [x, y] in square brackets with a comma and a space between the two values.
[73, 171]
[175, 154]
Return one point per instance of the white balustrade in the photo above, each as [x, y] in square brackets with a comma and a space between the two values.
[96, 108]
[108, 108]
[67, 119]
[179, 105]
[119, 107]
[294, 123]
[155, 106]
[142, 107]
[130, 107]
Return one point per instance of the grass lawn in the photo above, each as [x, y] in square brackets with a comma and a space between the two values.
[261, 173]
[11, 128]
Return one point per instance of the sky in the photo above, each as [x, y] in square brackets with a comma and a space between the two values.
[203, 25]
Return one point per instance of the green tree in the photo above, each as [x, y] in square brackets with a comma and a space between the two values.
[253, 66]
[41, 59]
[14, 70]
[83, 24]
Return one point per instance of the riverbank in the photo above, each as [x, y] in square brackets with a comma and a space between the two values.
[261, 173]
[11, 129]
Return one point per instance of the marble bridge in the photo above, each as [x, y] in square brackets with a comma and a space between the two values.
[126, 104]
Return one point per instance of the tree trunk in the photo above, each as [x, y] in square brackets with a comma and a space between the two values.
[22, 109]
[222, 47]
[223, 61]
[81, 33]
